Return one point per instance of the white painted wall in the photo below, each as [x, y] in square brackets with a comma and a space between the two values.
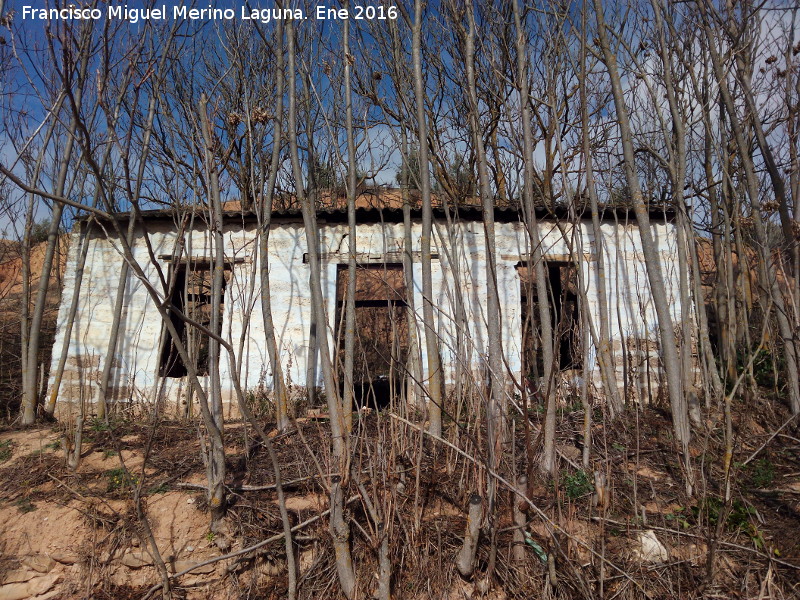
[461, 249]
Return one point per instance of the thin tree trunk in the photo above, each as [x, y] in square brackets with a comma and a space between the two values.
[340, 530]
[317, 329]
[545, 322]
[604, 354]
[413, 389]
[676, 144]
[496, 405]
[720, 236]
[793, 135]
[350, 300]
[766, 268]
[81, 252]
[102, 389]
[25, 269]
[216, 459]
[101, 394]
[434, 372]
[669, 352]
[30, 391]
[279, 384]
[705, 350]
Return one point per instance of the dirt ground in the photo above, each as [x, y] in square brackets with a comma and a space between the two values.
[76, 534]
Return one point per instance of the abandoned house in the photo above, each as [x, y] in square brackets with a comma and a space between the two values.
[146, 367]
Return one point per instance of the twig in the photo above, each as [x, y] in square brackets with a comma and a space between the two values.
[524, 498]
[769, 439]
[243, 488]
[65, 486]
[774, 491]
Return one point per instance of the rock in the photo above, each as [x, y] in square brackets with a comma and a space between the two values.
[569, 452]
[65, 558]
[222, 542]
[56, 593]
[19, 576]
[182, 565]
[136, 560]
[648, 549]
[306, 559]
[693, 553]
[649, 473]
[39, 562]
[28, 589]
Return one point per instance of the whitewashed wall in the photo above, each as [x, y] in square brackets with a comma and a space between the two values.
[460, 247]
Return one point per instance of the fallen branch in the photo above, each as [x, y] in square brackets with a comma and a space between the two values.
[769, 439]
[243, 488]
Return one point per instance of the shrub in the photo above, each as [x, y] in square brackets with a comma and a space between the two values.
[762, 473]
[119, 478]
[577, 485]
[5, 450]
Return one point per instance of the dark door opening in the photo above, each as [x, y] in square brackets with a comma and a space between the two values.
[192, 296]
[381, 332]
[562, 296]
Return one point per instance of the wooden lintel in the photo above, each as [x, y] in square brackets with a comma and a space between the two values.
[552, 257]
[199, 259]
[369, 257]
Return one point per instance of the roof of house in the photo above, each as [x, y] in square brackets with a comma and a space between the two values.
[385, 205]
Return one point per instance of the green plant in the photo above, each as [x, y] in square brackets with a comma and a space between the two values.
[679, 517]
[39, 232]
[109, 454]
[5, 450]
[24, 505]
[161, 488]
[260, 401]
[98, 425]
[119, 478]
[54, 446]
[210, 537]
[768, 367]
[575, 406]
[738, 519]
[762, 472]
[577, 485]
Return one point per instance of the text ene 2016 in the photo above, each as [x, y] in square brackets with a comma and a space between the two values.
[380, 12]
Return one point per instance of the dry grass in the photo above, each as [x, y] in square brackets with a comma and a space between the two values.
[592, 549]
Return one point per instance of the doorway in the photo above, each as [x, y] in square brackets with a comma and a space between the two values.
[381, 332]
[562, 297]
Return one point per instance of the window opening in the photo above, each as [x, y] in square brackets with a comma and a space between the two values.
[381, 332]
[192, 295]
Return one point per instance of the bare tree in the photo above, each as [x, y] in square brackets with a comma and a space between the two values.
[434, 372]
[340, 530]
[668, 346]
